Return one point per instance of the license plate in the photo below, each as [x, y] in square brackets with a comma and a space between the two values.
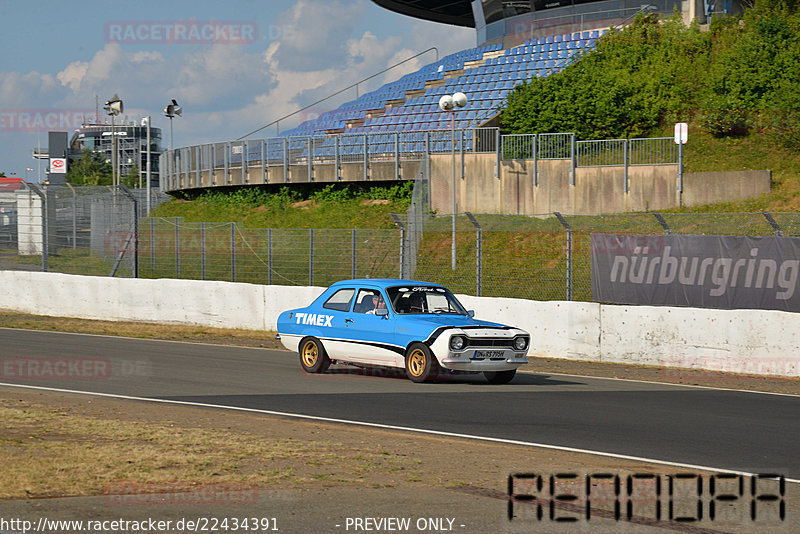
[491, 354]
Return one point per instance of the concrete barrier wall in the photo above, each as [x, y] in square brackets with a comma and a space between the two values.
[745, 341]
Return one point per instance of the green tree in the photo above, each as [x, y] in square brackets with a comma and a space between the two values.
[634, 79]
[89, 169]
[131, 179]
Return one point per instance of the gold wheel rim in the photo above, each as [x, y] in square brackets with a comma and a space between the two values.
[310, 354]
[416, 362]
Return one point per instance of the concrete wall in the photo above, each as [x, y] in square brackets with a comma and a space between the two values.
[597, 190]
[708, 187]
[751, 341]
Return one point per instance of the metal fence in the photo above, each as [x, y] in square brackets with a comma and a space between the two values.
[285, 153]
[546, 257]
[79, 230]
[173, 248]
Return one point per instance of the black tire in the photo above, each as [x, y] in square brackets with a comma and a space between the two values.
[421, 364]
[313, 358]
[500, 377]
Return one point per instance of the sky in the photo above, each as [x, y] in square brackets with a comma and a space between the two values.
[233, 66]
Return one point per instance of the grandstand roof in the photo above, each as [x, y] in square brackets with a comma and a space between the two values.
[458, 12]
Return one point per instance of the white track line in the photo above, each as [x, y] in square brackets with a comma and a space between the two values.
[694, 386]
[395, 427]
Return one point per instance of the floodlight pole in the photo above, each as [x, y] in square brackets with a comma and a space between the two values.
[147, 167]
[451, 103]
[453, 133]
[170, 133]
[113, 153]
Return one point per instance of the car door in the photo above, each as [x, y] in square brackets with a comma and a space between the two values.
[371, 334]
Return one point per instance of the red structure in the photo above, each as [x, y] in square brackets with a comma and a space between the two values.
[10, 183]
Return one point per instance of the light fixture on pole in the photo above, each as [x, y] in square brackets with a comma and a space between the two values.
[171, 111]
[114, 107]
[451, 104]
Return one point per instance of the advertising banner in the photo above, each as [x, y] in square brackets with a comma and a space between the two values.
[725, 272]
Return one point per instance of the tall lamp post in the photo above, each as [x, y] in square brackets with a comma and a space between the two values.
[147, 173]
[171, 111]
[114, 107]
[451, 103]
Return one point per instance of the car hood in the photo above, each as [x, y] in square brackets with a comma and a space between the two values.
[437, 321]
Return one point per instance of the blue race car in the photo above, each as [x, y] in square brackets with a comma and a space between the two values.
[408, 324]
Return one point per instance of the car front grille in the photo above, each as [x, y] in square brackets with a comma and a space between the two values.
[489, 342]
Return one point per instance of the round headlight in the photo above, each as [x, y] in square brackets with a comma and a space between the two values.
[520, 343]
[457, 342]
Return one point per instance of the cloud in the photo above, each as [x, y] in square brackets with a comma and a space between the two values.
[314, 34]
[316, 48]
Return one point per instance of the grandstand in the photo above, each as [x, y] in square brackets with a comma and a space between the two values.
[486, 74]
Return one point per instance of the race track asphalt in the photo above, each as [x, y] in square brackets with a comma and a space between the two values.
[742, 431]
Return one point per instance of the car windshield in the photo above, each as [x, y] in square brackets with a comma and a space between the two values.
[424, 299]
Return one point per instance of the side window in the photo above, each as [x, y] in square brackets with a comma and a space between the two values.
[368, 301]
[340, 300]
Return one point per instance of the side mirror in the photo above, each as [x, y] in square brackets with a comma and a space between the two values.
[381, 311]
[471, 313]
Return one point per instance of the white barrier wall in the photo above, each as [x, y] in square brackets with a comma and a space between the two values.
[742, 341]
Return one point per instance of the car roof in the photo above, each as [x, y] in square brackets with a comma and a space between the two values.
[383, 282]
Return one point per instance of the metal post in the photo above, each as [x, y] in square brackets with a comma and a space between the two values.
[572, 159]
[453, 246]
[402, 227]
[535, 161]
[479, 254]
[152, 246]
[427, 147]
[366, 157]
[148, 172]
[135, 202]
[269, 256]
[233, 252]
[263, 161]
[353, 255]
[773, 223]
[310, 159]
[114, 170]
[285, 160]
[244, 163]
[198, 165]
[43, 198]
[497, 154]
[336, 159]
[177, 250]
[663, 223]
[74, 216]
[566, 225]
[680, 174]
[461, 140]
[311, 257]
[226, 163]
[397, 155]
[625, 156]
[202, 251]
[402, 251]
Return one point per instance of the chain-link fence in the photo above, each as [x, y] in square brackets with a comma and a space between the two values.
[546, 257]
[77, 230]
[173, 248]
